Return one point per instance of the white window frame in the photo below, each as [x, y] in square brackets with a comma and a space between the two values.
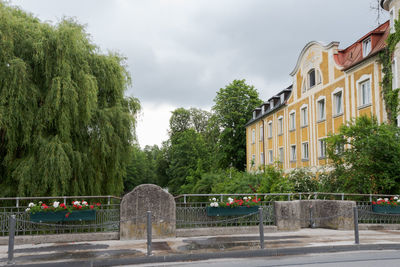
[335, 111]
[253, 160]
[281, 155]
[392, 18]
[262, 158]
[366, 46]
[292, 120]
[305, 148]
[319, 116]
[282, 96]
[271, 156]
[359, 82]
[271, 103]
[261, 138]
[280, 125]
[321, 148]
[253, 136]
[270, 129]
[304, 119]
[293, 153]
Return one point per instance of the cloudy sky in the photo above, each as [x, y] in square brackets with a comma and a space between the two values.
[181, 52]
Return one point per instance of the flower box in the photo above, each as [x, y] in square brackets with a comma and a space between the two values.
[63, 216]
[388, 209]
[227, 211]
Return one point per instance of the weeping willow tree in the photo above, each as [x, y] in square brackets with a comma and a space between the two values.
[65, 125]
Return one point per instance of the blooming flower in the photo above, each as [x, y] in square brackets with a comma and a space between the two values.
[76, 203]
[56, 204]
[84, 203]
[31, 205]
[245, 198]
[214, 199]
[28, 209]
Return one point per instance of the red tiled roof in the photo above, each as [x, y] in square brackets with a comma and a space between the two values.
[352, 55]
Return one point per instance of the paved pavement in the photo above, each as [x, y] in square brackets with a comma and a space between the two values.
[114, 252]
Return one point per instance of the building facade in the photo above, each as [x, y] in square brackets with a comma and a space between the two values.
[330, 86]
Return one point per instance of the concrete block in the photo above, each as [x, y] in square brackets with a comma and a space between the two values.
[287, 215]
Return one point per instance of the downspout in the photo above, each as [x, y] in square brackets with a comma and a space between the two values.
[263, 140]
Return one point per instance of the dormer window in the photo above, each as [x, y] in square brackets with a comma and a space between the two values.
[311, 78]
[254, 114]
[282, 97]
[366, 47]
[271, 103]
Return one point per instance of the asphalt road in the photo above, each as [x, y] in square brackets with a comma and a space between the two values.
[354, 259]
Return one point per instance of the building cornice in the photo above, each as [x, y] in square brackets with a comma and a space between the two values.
[303, 51]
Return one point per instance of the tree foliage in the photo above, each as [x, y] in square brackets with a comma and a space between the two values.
[65, 125]
[233, 108]
[365, 157]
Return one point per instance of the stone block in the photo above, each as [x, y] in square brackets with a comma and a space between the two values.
[134, 207]
[334, 214]
[287, 215]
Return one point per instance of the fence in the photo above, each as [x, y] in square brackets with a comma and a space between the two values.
[191, 208]
[107, 217]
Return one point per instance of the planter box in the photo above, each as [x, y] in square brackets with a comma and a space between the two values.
[211, 211]
[60, 216]
[386, 209]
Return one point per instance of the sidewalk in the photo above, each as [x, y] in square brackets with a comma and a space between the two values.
[103, 253]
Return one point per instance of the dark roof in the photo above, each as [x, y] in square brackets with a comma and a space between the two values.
[275, 108]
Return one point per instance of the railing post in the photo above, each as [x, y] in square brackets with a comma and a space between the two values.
[288, 196]
[315, 195]
[65, 201]
[356, 236]
[300, 196]
[261, 226]
[11, 236]
[109, 201]
[17, 203]
[184, 199]
[149, 233]
[370, 198]
[342, 196]
[222, 198]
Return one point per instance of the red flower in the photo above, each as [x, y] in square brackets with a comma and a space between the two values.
[227, 204]
[98, 204]
[91, 207]
[373, 203]
[67, 215]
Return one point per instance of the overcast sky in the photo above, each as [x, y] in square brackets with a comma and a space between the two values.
[181, 52]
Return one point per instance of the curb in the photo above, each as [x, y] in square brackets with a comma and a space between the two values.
[220, 255]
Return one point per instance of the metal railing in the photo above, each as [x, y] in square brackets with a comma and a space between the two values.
[107, 217]
[194, 215]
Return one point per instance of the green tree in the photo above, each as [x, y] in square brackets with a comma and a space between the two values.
[65, 126]
[365, 157]
[233, 108]
[188, 158]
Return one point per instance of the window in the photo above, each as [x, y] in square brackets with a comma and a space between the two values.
[304, 116]
[365, 93]
[271, 103]
[338, 107]
[339, 149]
[261, 133]
[321, 109]
[322, 148]
[270, 156]
[253, 136]
[293, 153]
[253, 160]
[305, 151]
[270, 129]
[280, 125]
[282, 96]
[311, 78]
[292, 120]
[366, 47]
[281, 155]
[262, 158]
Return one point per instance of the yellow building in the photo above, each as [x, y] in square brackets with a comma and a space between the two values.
[330, 86]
